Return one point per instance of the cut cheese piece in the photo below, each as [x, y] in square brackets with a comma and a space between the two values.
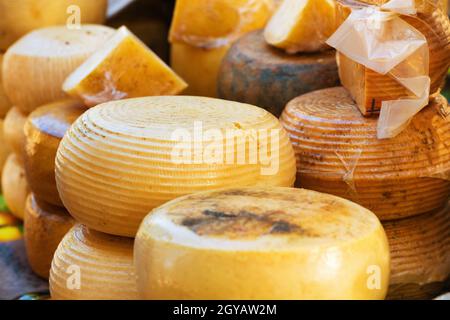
[5, 104]
[338, 153]
[14, 186]
[35, 67]
[420, 255]
[89, 265]
[4, 149]
[128, 157]
[44, 130]
[261, 243]
[44, 227]
[13, 131]
[123, 68]
[369, 88]
[19, 17]
[302, 25]
[255, 73]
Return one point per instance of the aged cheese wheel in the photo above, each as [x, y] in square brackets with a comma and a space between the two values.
[89, 265]
[45, 226]
[302, 25]
[4, 149]
[13, 131]
[420, 255]
[123, 68]
[19, 17]
[5, 105]
[35, 67]
[122, 159]
[338, 153]
[44, 130]
[14, 186]
[261, 243]
[255, 73]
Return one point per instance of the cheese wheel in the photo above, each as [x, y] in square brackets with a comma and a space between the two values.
[123, 68]
[44, 130]
[13, 131]
[128, 157]
[44, 226]
[302, 25]
[19, 17]
[261, 243]
[338, 153]
[5, 105]
[35, 67]
[4, 150]
[89, 265]
[14, 186]
[255, 73]
[420, 255]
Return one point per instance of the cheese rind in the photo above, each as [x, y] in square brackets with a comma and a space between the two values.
[4, 149]
[5, 105]
[13, 131]
[250, 243]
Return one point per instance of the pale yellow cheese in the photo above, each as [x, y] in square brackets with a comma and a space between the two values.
[4, 149]
[5, 105]
[261, 243]
[13, 132]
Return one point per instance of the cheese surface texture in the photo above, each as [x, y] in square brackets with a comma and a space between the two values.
[35, 67]
[302, 25]
[260, 243]
[4, 149]
[103, 263]
[13, 131]
[5, 105]
[338, 153]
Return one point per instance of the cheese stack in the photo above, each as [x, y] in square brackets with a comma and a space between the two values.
[5, 105]
[405, 177]
[261, 243]
[289, 58]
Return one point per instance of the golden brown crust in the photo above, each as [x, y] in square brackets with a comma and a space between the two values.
[13, 131]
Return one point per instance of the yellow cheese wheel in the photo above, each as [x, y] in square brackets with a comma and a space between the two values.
[14, 186]
[5, 105]
[35, 67]
[261, 243]
[44, 130]
[89, 265]
[19, 17]
[338, 153]
[122, 159]
[44, 226]
[13, 131]
[420, 255]
[4, 149]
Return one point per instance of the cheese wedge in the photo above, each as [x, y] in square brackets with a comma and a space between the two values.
[338, 153]
[261, 243]
[44, 227]
[19, 17]
[89, 265]
[123, 68]
[302, 25]
[13, 131]
[420, 259]
[256, 73]
[5, 105]
[4, 149]
[35, 67]
[14, 186]
[44, 129]
[128, 157]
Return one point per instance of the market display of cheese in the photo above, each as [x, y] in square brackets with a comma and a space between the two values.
[201, 33]
[4, 149]
[124, 67]
[35, 67]
[14, 186]
[5, 105]
[13, 131]
[44, 226]
[302, 25]
[122, 159]
[261, 243]
[44, 129]
[338, 153]
[89, 265]
[19, 17]
[255, 73]
[420, 255]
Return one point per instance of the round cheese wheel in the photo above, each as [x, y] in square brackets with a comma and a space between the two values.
[13, 131]
[4, 149]
[261, 243]
[256, 73]
[5, 104]
[44, 226]
[44, 130]
[14, 186]
[35, 67]
[19, 17]
[338, 153]
[420, 255]
[89, 265]
[121, 159]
